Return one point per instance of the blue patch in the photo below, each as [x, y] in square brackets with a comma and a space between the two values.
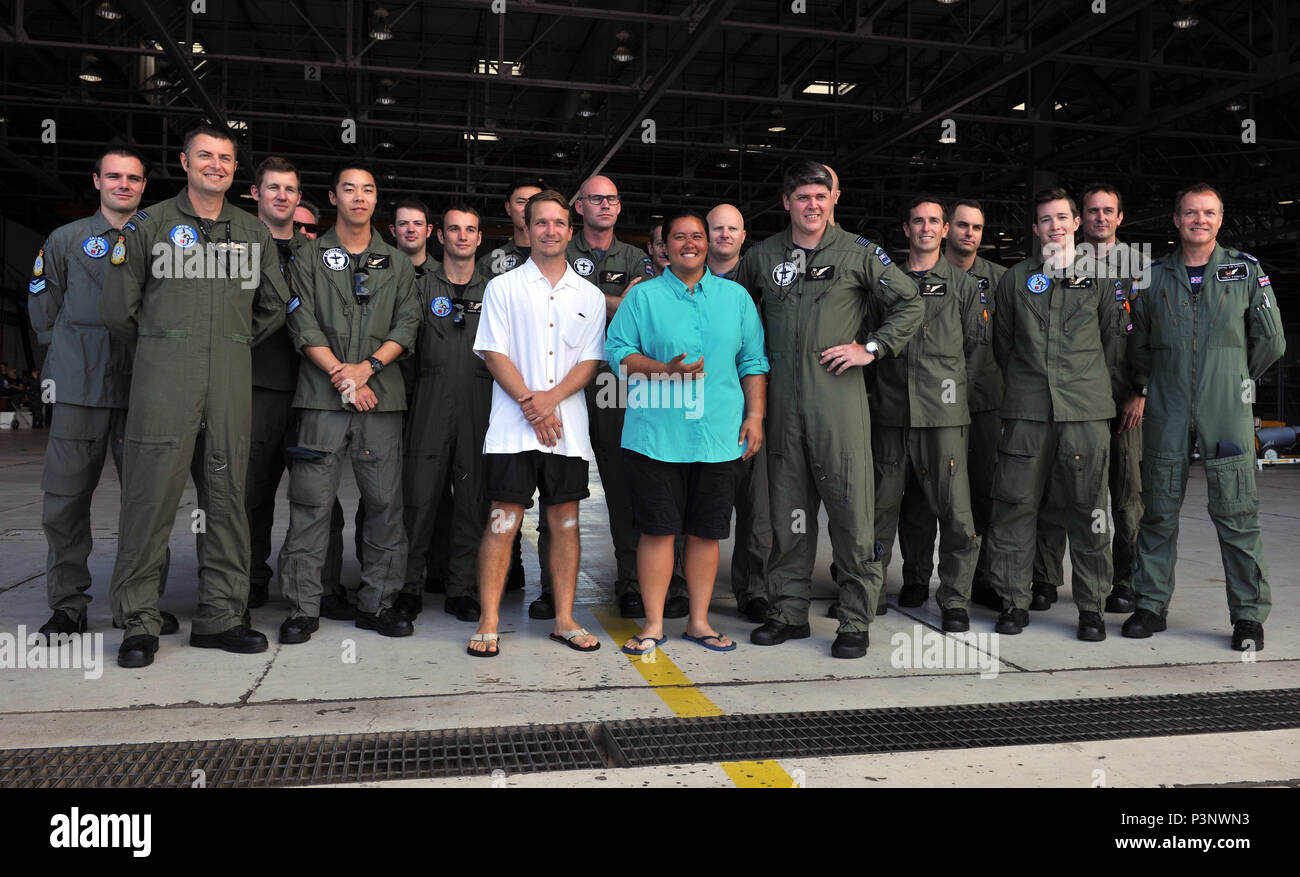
[1263, 280]
[1119, 290]
[129, 225]
[1248, 256]
[441, 306]
[863, 242]
[184, 236]
[882, 256]
[1038, 284]
[983, 298]
[140, 214]
[292, 305]
[36, 287]
[95, 247]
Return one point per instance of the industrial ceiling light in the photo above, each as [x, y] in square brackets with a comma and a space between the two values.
[622, 54]
[1187, 19]
[484, 136]
[948, 2]
[585, 109]
[237, 125]
[91, 71]
[108, 11]
[724, 164]
[379, 29]
[385, 144]
[1237, 106]
[560, 153]
[385, 98]
[947, 138]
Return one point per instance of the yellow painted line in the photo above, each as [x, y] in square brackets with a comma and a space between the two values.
[687, 701]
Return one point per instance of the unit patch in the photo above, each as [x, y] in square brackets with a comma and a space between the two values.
[441, 306]
[821, 272]
[335, 259]
[1234, 271]
[95, 247]
[377, 262]
[584, 266]
[184, 236]
[1038, 284]
[783, 275]
[118, 256]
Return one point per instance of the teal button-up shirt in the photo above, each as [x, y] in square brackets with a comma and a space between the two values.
[686, 421]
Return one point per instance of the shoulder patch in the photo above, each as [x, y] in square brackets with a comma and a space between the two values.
[38, 267]
[863, 242]
[1245, 255]
[129, 225]
[140, 214]
[37, 286]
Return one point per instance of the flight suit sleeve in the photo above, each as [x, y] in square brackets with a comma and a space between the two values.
[406, 315]
[45, 291]
[902, 310]
[272, 299]
[1113, 319]
[304, 326]
[745, 276]
[1265, 340]
[1004, 320]
[624, 330]
[974, 321]
[124, 284]
[1139, 339]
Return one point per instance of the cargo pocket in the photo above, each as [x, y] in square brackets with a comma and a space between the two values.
[1162, 482]
[1013, 476]
[1231, 486]
[308, 485]
[1087, 478]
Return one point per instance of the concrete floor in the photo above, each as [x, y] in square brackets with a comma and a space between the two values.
[426, 681]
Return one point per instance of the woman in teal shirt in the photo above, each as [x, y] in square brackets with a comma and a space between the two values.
[692, 347]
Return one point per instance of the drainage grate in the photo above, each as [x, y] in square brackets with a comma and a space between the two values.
[293, 761]
[640, 742]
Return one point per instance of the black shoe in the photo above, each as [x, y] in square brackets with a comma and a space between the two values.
[257, 595]
[773, 633]
[833, 610]
[983, 595]
[298, 629]
[955, 620]
[435, 586]
[464, 608]
[1091, 627]
[337, 608]
[1248, 636]
[1012, 621]
[912, 596]
[137, 651]
[1121, 599]
[240, 639]
[410, 605]
[389, 622]
[678, 607]
[1044, 597]
[850, 645]
[543, 607]
[515, 579]
[1142, 623]
[755, 610]
[630, 605]
[62, 623]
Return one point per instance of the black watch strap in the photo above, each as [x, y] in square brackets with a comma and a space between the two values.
[375, 364]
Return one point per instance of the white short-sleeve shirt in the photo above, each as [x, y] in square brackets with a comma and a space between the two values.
[545, 332]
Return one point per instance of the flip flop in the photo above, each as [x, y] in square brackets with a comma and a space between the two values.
[570, 635]
[484, 638]
[701, 640]
[634, 653]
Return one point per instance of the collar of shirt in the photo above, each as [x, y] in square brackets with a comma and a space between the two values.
[680, 289]
[99, 226]
[533, 274]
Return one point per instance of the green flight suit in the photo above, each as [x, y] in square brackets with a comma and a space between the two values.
[611, 272]
[89, 380]
[920, 416]
[1198, 355]
[819, 423]
[274, 431]
[445, 428]
[1125, 476]
[326, 313]
[193, 296]
[1055, 338]
[504, 257]
[916, 526]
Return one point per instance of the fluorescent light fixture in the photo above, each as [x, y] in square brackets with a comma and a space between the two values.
[236, 125]
[108, 11]
[492, 68]
[480, 135]
[776, 129]
[1183, 22]
[824, 86]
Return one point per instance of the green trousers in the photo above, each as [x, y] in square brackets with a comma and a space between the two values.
[1073, 456]
[929, 462]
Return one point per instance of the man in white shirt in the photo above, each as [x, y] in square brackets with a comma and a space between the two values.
[541, 334]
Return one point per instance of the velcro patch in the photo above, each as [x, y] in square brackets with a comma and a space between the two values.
[934, 289]
[36, 287]
[1235, 271]
[821, 272]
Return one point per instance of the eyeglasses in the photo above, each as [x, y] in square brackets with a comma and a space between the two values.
[597, 200]
[308, 227]
[360, 291]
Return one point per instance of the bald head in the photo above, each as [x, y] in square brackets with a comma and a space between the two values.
[602, 215]
[726, 235]
[835, 192]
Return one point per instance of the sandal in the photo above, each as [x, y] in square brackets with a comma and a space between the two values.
[637, 652]
[569, 636]
[703, 641]
[484, 638]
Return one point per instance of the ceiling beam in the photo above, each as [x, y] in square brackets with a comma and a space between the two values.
[148, 15]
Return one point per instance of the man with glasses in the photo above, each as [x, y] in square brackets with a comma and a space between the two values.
[614, 266]
[306, 219]
[355, 311]
[448, 419]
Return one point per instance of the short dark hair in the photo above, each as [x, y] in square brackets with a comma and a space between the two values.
[924, 199]
[1194, 189]
[966, 202]
[524, 182]
[682, 213]
[805, 172]
[547, 195]
[354, 164]
[460, 207]
[1094, 188]
[210, 131]
[411, 203]
[1042, 196]
[310, 208]
[121, 149]
[272, 164]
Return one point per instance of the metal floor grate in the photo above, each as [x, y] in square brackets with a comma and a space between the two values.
[317, 760]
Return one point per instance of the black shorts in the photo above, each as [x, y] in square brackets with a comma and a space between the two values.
[514, 478]
[672, 498]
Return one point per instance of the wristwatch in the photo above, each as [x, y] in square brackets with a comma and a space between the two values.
[375, 364]
[873, 348]
[1140, 389]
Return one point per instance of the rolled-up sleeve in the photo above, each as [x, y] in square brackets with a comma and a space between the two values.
[625, 331]
[751, 359]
